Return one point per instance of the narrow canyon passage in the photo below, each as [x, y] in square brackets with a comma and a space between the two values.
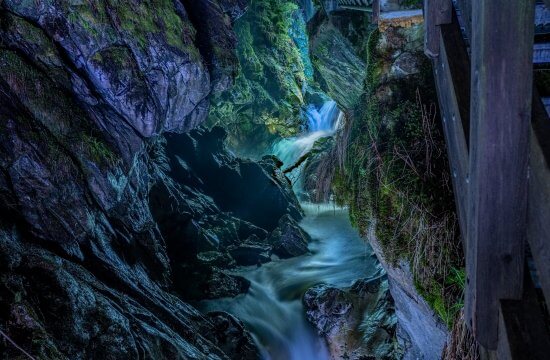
[273, 310]
[195, 179]
[273, 307]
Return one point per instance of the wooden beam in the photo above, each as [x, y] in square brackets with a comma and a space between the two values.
[502, 75]
[539, 194]
[452, 78]
[465, 7]
[431, 36]
[522, 333]
[436, 12]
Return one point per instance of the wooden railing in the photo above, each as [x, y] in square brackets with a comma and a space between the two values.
[498, 140]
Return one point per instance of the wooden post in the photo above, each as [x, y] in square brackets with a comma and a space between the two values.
[502, 54]
[436, 12]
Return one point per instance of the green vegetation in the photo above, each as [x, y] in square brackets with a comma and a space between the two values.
[141, 20]
[55, 111]
[269, 90]
[396, 178]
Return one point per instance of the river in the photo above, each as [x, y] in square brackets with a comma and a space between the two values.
[272, 309]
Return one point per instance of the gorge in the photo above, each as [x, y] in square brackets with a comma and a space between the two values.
[221, 179]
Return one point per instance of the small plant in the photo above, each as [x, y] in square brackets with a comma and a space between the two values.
[98, 150]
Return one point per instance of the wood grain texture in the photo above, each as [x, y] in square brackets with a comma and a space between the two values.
[539, 194]
[522, 331]
[501, 94]
[452, 78]
[465, 7]
[431, 29]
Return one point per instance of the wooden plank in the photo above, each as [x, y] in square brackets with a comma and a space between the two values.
[436, 12]
[501, 85]
[459, 66]
[375, 11]
[538, 228]
[452, 78]
[431, 30]
[465, 7]
[522, 331]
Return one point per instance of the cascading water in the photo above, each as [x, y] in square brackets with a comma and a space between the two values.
[272, 309]
[320, 123]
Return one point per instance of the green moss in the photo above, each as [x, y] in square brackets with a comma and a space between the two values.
[140, 19]
[268, 94]
[395, 173]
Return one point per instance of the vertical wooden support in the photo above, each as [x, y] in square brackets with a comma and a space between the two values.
[465, 7]
[436, 12]
[502, 53]
[452, 79]
[375, 11]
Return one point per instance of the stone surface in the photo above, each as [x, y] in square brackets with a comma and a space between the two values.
[89, 262]
[421, 332]
[357, 322]
[232, 337]
[288, 239]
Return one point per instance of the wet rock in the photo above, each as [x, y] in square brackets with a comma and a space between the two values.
[221, 284]
[250, 252]
[215, 258]
[88, 212]
[288, 239]
[56, 308]
[357, 322]
[216, 41]
[421, 332]
[340, 71]
[235, 185]
[232, 337]
[405, 65]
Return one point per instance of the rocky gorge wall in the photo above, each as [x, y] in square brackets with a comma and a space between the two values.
[110, 214]
[389, 166]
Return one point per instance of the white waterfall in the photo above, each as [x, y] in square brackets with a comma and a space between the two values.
[321, 123]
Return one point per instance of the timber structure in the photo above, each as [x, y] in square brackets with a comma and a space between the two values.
[497, 132]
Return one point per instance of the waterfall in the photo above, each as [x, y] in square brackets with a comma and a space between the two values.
[321, 123]
[309, 9]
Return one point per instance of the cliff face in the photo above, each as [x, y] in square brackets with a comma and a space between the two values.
[88, 90]
[275, 77]
[390, 168]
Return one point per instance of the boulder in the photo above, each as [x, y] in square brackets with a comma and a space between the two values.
[288, 239]
[232, 337]
[250, 252]
[357, 322]
[221, 284]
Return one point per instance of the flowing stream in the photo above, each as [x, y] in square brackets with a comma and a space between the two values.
[272, 309]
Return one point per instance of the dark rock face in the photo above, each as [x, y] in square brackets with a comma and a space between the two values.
[231, 336]
[357, 322]
[88, 209]
[214, 211]
[241, 187]
[288, 239]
